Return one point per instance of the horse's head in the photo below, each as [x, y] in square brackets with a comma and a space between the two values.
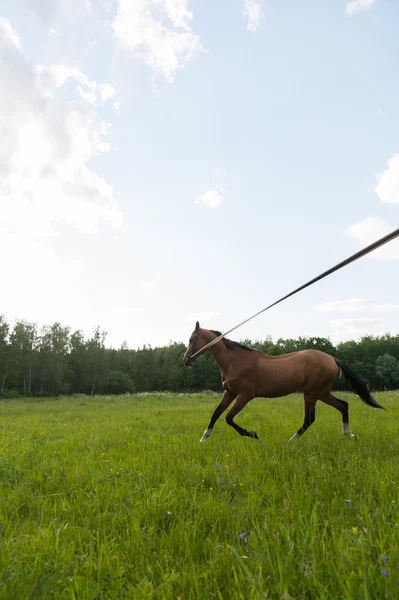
[195, 343]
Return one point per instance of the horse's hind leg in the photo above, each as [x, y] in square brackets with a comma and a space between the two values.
[239, 404]
[310, 416]
[226, 400]
[342, 406]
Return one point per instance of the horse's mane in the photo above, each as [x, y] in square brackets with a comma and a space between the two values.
[230, 344]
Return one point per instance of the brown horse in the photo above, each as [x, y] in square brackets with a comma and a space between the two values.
[248, 373]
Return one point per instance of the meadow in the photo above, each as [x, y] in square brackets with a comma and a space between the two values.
[114, 497]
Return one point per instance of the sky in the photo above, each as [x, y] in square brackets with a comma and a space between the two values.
[163, 161]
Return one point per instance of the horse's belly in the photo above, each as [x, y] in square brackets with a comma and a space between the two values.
[273, 386]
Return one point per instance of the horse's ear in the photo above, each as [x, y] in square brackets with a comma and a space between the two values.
[197, 326]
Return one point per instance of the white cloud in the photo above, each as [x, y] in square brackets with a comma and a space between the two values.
[379, 112]
[354, 324]
[253, 13]
[45, 179]
[205, 316]
[148, 284]
[370, 230]
[388, 182]
[351, 305]
[211, 198]
[357, 304]
[219, 172]
[356, 6]
[351, 328]
[9, 38]
[51, 77]
[159, 32]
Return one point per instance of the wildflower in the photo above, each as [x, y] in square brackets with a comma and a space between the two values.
[234, 485]
[348, 501]
[227, 454]
[211, 488]
[384, 573]
[241, 484]
[385, 559]
[393, 501]
[203, 481]
[242, 536]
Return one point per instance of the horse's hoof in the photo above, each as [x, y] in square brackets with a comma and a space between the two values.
[206, 435]
[254, 435]
[351, 436]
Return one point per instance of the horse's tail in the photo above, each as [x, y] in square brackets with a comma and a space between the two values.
[359, 386]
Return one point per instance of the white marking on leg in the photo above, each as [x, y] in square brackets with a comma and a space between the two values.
[347, 431]
[206, 435]
[294, 437]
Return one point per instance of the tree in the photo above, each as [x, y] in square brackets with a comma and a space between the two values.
[96, 359]
[23, 341]
[4, 351]
[77, 362]
[118, 383]
[387, 370]
[53, 365]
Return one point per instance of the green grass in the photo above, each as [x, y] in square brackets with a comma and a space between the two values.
[116, 498]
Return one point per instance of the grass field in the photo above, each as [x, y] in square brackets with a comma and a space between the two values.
[116, 498]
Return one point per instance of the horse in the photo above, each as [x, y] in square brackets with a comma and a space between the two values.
[247, 373]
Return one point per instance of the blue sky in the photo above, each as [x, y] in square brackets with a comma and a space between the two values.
[164, 160]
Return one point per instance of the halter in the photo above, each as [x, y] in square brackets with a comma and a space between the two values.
[194, 343]
[194, 354]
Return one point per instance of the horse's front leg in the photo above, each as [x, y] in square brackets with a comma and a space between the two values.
[239, 404]
[225, 402]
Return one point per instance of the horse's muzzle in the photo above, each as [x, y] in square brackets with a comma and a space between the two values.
[187, 361]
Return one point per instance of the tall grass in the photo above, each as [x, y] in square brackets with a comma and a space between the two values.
[116, 498]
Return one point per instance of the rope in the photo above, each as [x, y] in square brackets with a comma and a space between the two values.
[384, 240]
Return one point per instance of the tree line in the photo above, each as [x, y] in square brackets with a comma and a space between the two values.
[53, 360]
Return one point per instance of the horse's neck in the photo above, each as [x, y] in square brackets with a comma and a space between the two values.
[222, 356]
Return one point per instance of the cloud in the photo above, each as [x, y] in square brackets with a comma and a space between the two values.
[45, 179]
[345, 305]
[387, 188]
[371, 229]
[9, 38]
[211, 198]
[159, 32]
[48, 10]
[253, 13]
[352, 327]
[148, 284]
[71, 27]
[51, 77]
[205, 316]
[357, 304]
[356, 6]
